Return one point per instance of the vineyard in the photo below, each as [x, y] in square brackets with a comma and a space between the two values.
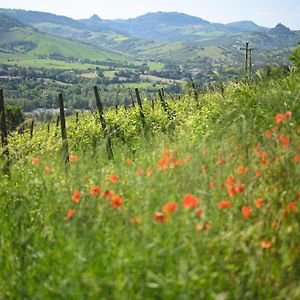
[199, 200]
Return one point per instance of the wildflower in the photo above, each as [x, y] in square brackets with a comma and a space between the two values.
[73, 158]
[113, 178]
[284, 140]
[266, 244]
[231, 191]
[139, 172]
[207, 226]
[246, 210]
[224, 204]
[198, 212]
[204, 169]
[36, 161]
[213, 184]
[95, 191]
[288, 115]
[264, 162]
[76, 196]
[129, 162]
[239, 188]
[259, 203]
[258, 173]
[296, 158]
[116, 201]
[221, 161]
[48, 170]
[189, 201]
[107, 194]
[160, 217]
[274, 224]
[70, 214]
[292, 206]
[149, 172]
[268, 134]
[279, 119]
[169, 208]
[135, 220]
[230, 180]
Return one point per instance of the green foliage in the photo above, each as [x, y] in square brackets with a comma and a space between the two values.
[14, 117]
[295, 57]
[102, 253]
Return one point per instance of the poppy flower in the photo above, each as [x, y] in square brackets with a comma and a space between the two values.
[48, 170]
[70, 214]
[284, 140]
[239, 188]
[107, 194]
[258, 173]
[230, 180]
[279, 119]
[73, 158]
[160, 217]
[135, 220]
[224, 204]
[95, 191]
[231, 191]
[169, 208]
[113, 178]
[275, 224]
[129, 162]
[198, 212]
[116, 202]
[268, 134]
[246, 210]
[292, 206]
[149, 172]
[139, 172]
[36, 161]
[288, 115]
[266, 244]
[189, 201]
[259, 203]
[76, 196]
[240, 170]
[213, 184]
[296, 158]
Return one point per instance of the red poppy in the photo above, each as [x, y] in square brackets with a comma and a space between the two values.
[107, 194]
[258, 173]
[70, 214]
[213, 184]
[266, 244]
[284, 140]
[116, 201]
[139, 172]
[246, 210]
[259, 203]
[36, 161]
[231, 191]
[239, 188]
[189, 201]
[288, 115]
[48, 170]
[149, 172]
[113, 178]
[76, 196]
[230, 180]
[129, 162]
[135, 220]
[279, 118]
[73, 158]
[268, 134]
[224, 204]
[292, 206]
[296, 158]
[95, 191]
[160, 217]
[169, 208]
[198, 212]
[240, 170]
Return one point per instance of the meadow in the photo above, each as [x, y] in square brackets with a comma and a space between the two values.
[201, 203]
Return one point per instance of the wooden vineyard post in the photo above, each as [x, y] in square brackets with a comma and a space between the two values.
[31, 128]
[63, 128]
[196, 96]
[77, 117]
[57, 124]
[4, 140]
[132, 98]
[164, 105]
[103, 124]
[142, 116]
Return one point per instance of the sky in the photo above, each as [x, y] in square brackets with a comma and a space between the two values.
[263, 12]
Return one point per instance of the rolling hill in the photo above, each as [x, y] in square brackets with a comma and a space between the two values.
[27, 45]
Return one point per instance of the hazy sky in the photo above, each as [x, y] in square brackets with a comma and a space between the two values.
[263, 12]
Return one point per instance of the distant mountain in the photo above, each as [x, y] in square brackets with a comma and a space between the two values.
[281, 29]
[7, 23]
[247, 26]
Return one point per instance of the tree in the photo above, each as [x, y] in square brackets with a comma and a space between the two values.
[295, 57]
[14, 116]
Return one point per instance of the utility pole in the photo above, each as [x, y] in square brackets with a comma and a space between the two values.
[248, 59]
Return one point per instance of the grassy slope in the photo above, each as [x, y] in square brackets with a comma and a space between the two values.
[48, 44]
[99, 254]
